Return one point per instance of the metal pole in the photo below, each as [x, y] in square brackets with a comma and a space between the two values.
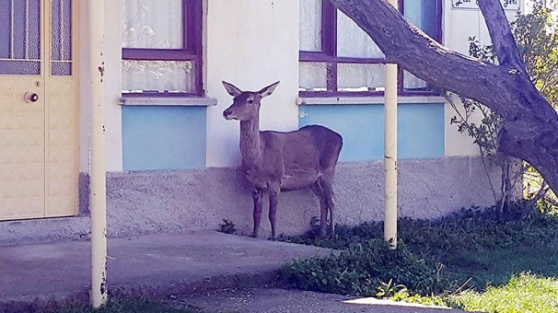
[390, 153]
[98, 198]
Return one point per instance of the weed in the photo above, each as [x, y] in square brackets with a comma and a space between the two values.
[227, 227]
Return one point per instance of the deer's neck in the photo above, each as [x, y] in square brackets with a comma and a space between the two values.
[250, 141]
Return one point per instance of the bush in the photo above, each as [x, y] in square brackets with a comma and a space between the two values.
[433, 256]
[363, 268]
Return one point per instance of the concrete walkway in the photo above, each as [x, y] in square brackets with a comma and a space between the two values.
[205, 263]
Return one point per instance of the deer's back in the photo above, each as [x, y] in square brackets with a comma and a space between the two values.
[300, 157]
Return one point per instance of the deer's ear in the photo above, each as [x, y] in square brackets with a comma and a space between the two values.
[232, 89]
[266, 91]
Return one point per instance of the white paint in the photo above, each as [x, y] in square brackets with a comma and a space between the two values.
[113, 84]
[390, 152]
[456, 143]
[98, 193]
[112, 77]
[458, 27]
[250, 44]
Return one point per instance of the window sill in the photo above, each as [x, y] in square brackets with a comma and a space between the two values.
[366, 100]
[168, 101]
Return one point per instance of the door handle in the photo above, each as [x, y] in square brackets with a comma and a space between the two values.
[30, 97]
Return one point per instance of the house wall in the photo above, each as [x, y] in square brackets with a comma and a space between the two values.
[420, 129]
[112, 59]
[256, 46]
[458, 26]
[171, 162]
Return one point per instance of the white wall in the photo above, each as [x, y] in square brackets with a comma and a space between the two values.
[113, 88]
[251, 44]
[458, 26]
[112, 58]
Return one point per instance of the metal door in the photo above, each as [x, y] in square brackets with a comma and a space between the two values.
[38, 109]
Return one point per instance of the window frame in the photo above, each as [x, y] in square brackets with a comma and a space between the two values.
[328, 54]
[192, 50]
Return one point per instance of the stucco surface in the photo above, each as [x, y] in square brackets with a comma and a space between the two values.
[171, 201]
[174, 201]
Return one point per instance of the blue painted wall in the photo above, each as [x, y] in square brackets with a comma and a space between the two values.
[420, 129]
[163, 137]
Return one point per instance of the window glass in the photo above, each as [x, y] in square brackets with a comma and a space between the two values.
[152, 24]
[310, 25]
[20, 40]
[413, 83]
[361, 77]
[422, 13]
[61, 38]
[337, 56]
[352, 41]
[157, 76]
[313, 76]
[161, 42]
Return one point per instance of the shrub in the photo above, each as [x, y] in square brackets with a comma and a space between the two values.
[433, 256]
[362, 268]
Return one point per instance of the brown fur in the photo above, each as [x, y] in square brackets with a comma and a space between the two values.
[274, 161]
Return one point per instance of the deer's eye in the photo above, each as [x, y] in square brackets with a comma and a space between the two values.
[250, 101]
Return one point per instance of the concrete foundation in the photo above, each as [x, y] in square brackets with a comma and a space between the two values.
[173, 201]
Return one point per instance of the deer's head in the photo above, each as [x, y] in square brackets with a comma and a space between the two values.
[246, 104]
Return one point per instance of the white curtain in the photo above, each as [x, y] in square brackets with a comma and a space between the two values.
[361, 77]
[411, 82]
[154, 24]
[310, 25]
[157, 76]
[352, 41]
[312, 76]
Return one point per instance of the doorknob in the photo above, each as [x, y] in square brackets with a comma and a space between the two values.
[30, 97]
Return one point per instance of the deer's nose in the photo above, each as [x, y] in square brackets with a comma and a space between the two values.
[227, 113]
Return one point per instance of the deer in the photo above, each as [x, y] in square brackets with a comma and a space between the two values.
[274, 161]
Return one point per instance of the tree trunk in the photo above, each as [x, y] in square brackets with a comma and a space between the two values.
[530, 126]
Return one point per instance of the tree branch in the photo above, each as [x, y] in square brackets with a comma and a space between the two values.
[530, 124]
[427, 59]
[501, 35]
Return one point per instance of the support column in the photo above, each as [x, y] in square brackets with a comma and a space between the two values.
[390, 153]
[98, 198]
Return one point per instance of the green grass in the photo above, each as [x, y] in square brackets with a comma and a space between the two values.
[522, 293]
[475, 255]
[116, 305]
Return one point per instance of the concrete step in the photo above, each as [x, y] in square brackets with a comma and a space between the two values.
[161, 263]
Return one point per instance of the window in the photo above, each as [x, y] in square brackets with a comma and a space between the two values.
[339, 58]
[161, 53]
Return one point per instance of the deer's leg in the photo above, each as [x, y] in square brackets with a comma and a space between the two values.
[273, 194]
[257, 214]
[327, 187]
[318, 190]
